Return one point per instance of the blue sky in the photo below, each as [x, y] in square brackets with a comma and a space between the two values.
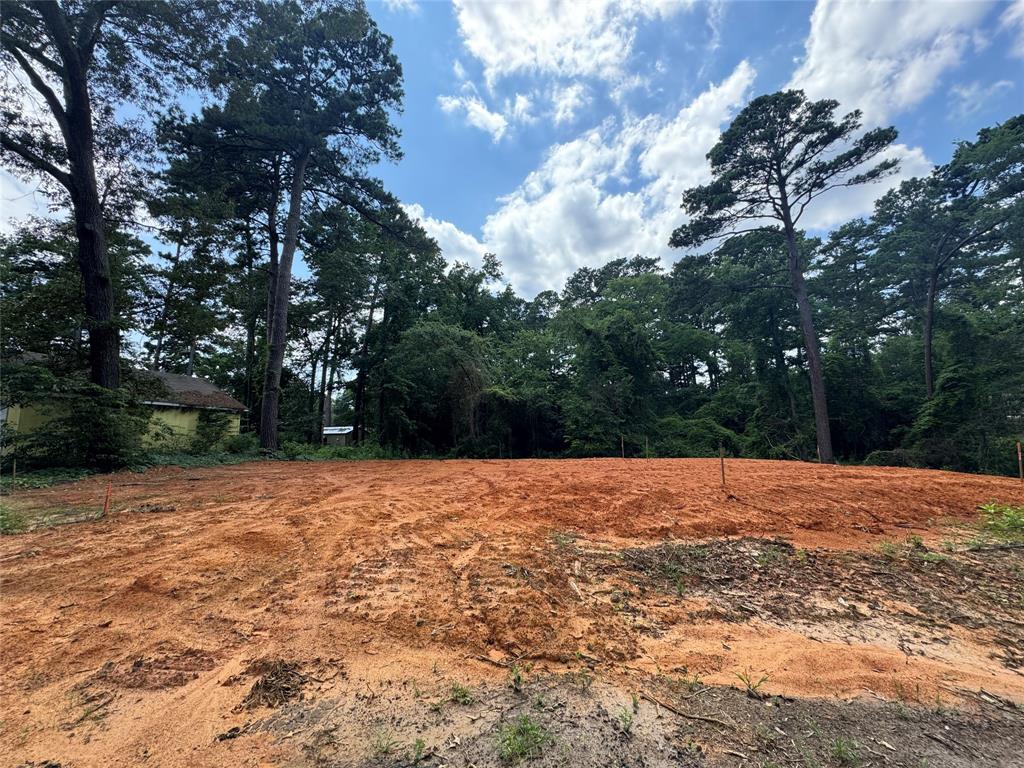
[562, 134]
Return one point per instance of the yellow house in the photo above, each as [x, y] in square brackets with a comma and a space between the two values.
[188, 401]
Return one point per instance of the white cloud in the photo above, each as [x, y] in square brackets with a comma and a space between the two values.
[1013, 19]
[615, 190]
[555, 37]
[567, 101]
[455, 244]
[518, 109]
[476, 112]
[576, 209]
[883, 57]
[968, 98]
[841, 205]
[410, 6]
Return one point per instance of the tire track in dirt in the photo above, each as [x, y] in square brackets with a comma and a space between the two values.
[389, 564]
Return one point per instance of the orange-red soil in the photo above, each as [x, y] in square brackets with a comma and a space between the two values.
[376, 572]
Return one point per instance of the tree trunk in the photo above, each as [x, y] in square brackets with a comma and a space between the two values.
[74, 118]
[796, 279]
[929, 333]
[322, 395]
[359, 399]
[161, 323]
[93, 261]
[278, 333]
[250, 327]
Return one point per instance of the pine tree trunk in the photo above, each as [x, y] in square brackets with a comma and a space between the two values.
[818, 398]
[161, 323]
[929, 333]
[278, 333]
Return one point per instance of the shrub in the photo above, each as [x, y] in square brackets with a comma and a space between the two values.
[83, 425]
[211, 431]
[241, 444]
[896, 458]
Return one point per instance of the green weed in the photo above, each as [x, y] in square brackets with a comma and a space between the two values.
[845, 752]
[10, 521]
[522, 740]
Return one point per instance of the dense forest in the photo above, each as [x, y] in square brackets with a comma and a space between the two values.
[176, 244]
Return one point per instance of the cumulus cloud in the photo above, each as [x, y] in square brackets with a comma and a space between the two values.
[612, 191]
[555, 37]
[476, 112]
[883, 57]
[615, 190]
[454, 243]
[567, 101]
[1013, 20]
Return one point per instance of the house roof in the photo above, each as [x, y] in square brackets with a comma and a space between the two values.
[192, 392]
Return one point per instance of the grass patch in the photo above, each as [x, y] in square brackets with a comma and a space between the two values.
[522, 740]
[460, 694]
[845, 752]
[10, 521]
[40, 478]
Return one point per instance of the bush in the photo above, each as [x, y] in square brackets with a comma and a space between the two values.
[896, 458]
[241, 444]
[308, 452]
[694, 438]
[211, 431]
[84, 425]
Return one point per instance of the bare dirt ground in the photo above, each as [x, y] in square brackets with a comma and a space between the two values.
[395, 613]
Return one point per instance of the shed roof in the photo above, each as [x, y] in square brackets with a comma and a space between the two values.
[193, 392]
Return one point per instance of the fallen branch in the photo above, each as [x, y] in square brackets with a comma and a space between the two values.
[686, 715]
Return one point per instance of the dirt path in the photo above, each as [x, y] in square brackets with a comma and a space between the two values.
[131, 640]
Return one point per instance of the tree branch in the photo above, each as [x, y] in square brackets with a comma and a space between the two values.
[40, 85]
[36, 161]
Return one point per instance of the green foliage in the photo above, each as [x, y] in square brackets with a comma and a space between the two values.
[1004, 521]
[895, 458]
[368, 451]
[86, 425]
[211, 432]
[845, 752]
[522, 740]
[244, 443]
[39, 478]
[10, 521]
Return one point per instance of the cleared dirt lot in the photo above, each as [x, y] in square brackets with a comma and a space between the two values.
[335, 613]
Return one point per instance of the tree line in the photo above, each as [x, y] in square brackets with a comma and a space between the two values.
[896, 339]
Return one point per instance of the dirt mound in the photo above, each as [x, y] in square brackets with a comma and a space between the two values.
[120, 634]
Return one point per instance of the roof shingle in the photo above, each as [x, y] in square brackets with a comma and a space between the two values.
[193, 392]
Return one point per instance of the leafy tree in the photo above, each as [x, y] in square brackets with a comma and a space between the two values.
[933, 226]
[84, 59]
[780, 154]
[309, 90]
